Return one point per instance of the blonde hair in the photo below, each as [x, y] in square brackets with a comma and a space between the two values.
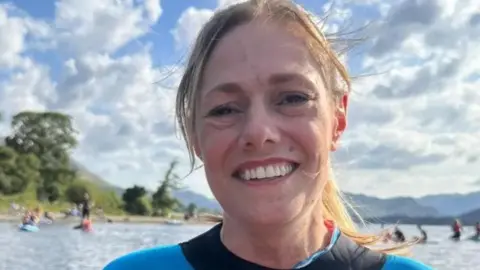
[331, 68]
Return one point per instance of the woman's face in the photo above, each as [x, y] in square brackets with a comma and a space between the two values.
[265, 125]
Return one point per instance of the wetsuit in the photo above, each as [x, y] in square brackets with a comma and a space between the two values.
[399, 236]
[86, 209]
[456, 231]
[424, 235]
[207, 252]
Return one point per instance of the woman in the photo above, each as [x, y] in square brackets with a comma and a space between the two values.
[86, 206]
[263, 103]
[28, 218]
[457, 230]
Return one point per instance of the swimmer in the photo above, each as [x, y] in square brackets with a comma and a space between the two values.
[457, 230]
[399, 236]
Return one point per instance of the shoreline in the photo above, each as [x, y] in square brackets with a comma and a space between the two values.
[59, 219]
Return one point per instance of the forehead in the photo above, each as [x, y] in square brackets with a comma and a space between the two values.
[258, 51]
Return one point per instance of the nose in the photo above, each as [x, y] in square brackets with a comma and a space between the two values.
[260, 129]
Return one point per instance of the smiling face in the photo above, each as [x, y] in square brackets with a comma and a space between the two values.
[265, 125]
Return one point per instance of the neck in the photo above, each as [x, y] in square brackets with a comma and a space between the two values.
[279, 247]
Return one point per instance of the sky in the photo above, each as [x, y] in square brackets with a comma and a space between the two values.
[414, 115]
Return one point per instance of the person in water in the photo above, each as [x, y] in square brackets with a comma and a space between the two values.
[424, 236]
[86, 224]
[457, 230]
[477, 230]
[399, 236]
[27, 218]
[30, 218]
[262, 104]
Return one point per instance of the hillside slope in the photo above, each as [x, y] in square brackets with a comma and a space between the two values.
[452, 204]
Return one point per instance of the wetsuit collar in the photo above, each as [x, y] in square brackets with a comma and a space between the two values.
[334, 234]
[206, 252]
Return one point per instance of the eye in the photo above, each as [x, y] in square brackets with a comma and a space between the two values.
[294, 99]
[223, 110]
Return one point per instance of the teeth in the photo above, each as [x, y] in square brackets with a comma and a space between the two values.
[269, 171]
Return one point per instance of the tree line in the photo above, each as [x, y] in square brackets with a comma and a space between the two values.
[36, 155]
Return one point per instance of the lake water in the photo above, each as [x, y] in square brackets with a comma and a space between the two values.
[58, 247]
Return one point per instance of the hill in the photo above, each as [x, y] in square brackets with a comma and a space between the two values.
[368, 206]
[187, 196]
[452, 204]
[85, 174]
[467, 219]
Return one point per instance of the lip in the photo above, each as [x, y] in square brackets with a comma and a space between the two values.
[264, 162]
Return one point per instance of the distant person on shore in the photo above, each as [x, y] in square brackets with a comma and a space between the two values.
[263, 104]
[457, 230]
[86, 206]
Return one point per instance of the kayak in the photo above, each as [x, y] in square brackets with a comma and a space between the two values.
[28, 228]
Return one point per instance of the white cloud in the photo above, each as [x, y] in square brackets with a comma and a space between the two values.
[103, 26]
[15, 29]
[188, 26]
[29, 89]
[427, 114]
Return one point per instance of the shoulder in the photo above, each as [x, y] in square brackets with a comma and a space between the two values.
[394, 262]
[163, 257]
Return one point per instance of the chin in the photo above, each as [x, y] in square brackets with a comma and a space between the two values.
[268, 214]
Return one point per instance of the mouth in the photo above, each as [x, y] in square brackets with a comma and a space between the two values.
[266, 172]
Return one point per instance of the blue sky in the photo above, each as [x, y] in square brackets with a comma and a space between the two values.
[415, 110]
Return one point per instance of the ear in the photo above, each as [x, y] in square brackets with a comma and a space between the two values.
[340, 121]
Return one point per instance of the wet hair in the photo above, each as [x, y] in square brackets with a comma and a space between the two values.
[321, 48]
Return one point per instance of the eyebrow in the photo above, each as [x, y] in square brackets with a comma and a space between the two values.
[283, 78]
[274, 79]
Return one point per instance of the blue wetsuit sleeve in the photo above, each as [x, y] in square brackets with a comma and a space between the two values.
[162, 258]
[394, 262]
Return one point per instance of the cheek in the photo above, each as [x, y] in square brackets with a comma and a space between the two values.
[314, 138]
[214, 145]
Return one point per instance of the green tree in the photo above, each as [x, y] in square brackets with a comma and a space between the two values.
[162, 199]
[192, 210]
[140, 206]
[135, 201]
[49, 136]
[133, 193]
[75, 192]
[16, 171]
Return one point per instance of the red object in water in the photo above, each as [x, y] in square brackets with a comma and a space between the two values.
[87, 225]
[456, 227]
